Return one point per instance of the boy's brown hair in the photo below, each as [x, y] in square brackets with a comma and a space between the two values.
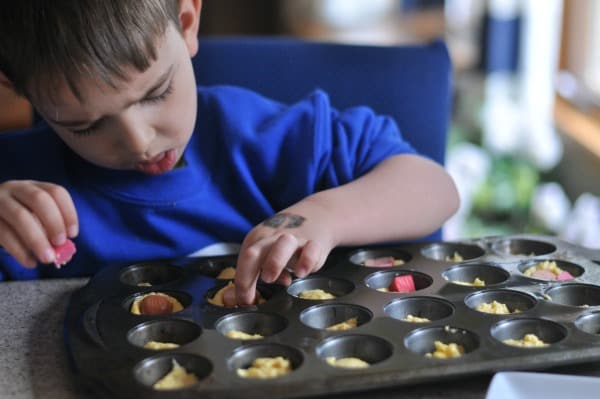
[43, 43]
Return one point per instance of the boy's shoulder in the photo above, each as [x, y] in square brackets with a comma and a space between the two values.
[236, 96]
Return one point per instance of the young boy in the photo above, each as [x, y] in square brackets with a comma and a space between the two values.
[135, 162]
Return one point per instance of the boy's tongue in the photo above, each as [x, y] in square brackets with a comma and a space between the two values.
[163, 163]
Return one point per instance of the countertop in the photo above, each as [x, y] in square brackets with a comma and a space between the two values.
[34, 361]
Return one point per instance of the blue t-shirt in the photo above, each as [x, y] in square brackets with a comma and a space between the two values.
[249, 157]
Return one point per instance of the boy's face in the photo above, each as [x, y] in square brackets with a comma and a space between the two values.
[144, 124]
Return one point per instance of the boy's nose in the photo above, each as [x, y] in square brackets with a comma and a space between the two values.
[136, 134]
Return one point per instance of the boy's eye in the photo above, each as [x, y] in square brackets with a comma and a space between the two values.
[84, 132]
[159, 97]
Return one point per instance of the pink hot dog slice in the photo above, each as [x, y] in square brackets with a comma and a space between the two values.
[63, 253]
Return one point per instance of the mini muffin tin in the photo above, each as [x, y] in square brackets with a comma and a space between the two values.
[105, 341]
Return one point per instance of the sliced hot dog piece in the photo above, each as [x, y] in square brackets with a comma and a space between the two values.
[63, 253]
[403, 283]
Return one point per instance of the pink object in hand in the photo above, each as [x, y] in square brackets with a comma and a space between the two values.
[404, 283]
[544, 275]
[63, 253]
[384, 261]
[565, 275]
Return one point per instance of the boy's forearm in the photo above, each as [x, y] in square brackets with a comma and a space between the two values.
[404, 197]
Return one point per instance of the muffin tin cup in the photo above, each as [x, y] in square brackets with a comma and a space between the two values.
[106, 341]
[152, 369]
[447, 252]
[369, 349]
[574, 269]
[422, 341]
[466, 274]
[523, 247]
[327, 315]
[150, 274]
[261, 323]
[432, 309]
[547, 331]
[573, 294]
[180, 332]
[515, 301]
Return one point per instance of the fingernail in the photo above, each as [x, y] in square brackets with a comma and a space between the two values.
[266, 277]
[59, 239]
[300, 272]
[48, 255]
[73, 230]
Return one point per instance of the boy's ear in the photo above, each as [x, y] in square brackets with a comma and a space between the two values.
[189, 20]
[5, 81]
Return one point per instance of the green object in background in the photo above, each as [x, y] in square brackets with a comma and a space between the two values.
[505, 196]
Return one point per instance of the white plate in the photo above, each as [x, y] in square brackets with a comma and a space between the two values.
[522, 385]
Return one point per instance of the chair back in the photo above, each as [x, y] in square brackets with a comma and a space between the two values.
[410, 83]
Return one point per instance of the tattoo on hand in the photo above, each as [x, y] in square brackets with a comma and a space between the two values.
[286, 220]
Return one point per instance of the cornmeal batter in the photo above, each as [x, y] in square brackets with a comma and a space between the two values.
[456, 257]
[538, 269]
[495, 307]
[446, 351]
[344, 325]
[160, 345]
[528, 341]
[217, 299]
[177, 378]
[415, 319]
[476, 283]
[236, 334]
[347, 362]
[315, 294]
[227, 273]
[266, 367]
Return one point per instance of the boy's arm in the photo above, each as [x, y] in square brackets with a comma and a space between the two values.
[404, 197]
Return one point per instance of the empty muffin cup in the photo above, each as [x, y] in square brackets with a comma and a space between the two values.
[335, 317]
[452, 252]
[179, 332]
[255, 324]
[368, 348]
[381, 257]
[491, 301]
[476, 275]
[150, 274]
[574, 294]
[336, 287]
[423, 340]
[589, 323]
[545, 332]
[150, 370]
[522, 247]
[420, 309]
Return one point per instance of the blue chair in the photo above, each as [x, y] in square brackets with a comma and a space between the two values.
[410, 83]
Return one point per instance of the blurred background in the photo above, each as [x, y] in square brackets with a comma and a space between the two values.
[524, 141]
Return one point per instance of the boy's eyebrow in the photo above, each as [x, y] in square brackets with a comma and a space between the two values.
[161, 80]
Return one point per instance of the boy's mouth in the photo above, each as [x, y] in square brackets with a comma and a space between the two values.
[160, 164]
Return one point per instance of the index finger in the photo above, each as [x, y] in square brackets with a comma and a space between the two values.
[65, 205]
[248, 270]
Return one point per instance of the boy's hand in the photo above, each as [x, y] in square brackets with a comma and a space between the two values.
[34, 217]
[283, 243]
